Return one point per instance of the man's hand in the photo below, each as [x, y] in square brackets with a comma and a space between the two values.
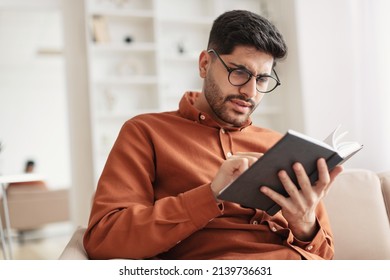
[231, 169]
[299, 208]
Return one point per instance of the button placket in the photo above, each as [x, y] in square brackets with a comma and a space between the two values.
[225, 143]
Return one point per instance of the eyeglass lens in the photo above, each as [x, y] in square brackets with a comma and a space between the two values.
[239, 77]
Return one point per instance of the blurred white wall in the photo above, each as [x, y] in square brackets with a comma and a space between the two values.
[33, 104]
[345, 63]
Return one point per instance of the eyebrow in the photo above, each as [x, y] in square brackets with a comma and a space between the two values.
[244, 67]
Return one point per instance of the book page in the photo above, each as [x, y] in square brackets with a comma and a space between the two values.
[344, 149]
[331, 139]
[332, 142]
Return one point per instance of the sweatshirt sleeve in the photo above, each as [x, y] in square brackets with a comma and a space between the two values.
[126, 221]
[321, 246]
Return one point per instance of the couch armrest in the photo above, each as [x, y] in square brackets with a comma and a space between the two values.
[385, 181]
[358, 215]
[74, 250]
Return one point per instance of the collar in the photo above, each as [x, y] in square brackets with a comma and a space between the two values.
[189, 111]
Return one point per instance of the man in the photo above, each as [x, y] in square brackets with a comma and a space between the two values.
[157, 195]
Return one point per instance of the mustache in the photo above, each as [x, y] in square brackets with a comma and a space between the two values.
[240, 97]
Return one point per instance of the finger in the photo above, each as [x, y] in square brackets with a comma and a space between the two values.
[250, 154]
[279, 199]
[326, 178]
[237, 165]
[308, 195]
[228, 172]
[323, 176]
[302, 178]
[335, 172]
[252, 157]
[289, 185]
[323, 170]
[247, 160]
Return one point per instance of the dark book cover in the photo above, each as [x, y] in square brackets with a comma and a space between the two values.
[245, 190]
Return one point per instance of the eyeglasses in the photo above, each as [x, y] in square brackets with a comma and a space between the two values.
[240, 76]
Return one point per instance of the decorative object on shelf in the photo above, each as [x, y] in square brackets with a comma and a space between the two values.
[110, 99]
[129, 39]
[181, 47]
[116, 3]
[120, 3]
[129, 67]
[100, 32]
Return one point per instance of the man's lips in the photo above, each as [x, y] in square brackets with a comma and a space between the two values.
[241, 106]
[242, 103]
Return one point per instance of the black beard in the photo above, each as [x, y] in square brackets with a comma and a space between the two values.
[216, 105]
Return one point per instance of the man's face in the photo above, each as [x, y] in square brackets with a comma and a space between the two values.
[232, 105]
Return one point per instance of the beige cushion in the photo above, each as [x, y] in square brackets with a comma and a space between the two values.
[358, 216]
[385, 179]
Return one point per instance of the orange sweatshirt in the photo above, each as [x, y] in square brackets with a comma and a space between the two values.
[154, 200]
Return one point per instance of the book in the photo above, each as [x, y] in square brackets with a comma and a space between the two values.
[292, 147]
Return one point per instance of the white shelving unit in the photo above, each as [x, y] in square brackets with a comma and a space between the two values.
[142, 57]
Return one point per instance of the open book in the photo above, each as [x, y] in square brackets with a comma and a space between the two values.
[292, 147]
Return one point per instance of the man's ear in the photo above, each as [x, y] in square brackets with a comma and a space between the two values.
[204, 62]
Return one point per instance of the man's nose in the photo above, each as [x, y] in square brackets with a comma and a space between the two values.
[249, 89]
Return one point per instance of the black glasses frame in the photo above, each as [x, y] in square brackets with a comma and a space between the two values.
[250, 75]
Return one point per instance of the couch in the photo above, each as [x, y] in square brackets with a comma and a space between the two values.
[359, 210]
[358, 206]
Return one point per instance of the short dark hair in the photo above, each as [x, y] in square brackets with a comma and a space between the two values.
[244, 28]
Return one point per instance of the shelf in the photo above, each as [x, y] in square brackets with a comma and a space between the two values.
[182, 57]
[112, 12]
[205, 21]
[134, 80]
[143, 55]
[117, 47]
